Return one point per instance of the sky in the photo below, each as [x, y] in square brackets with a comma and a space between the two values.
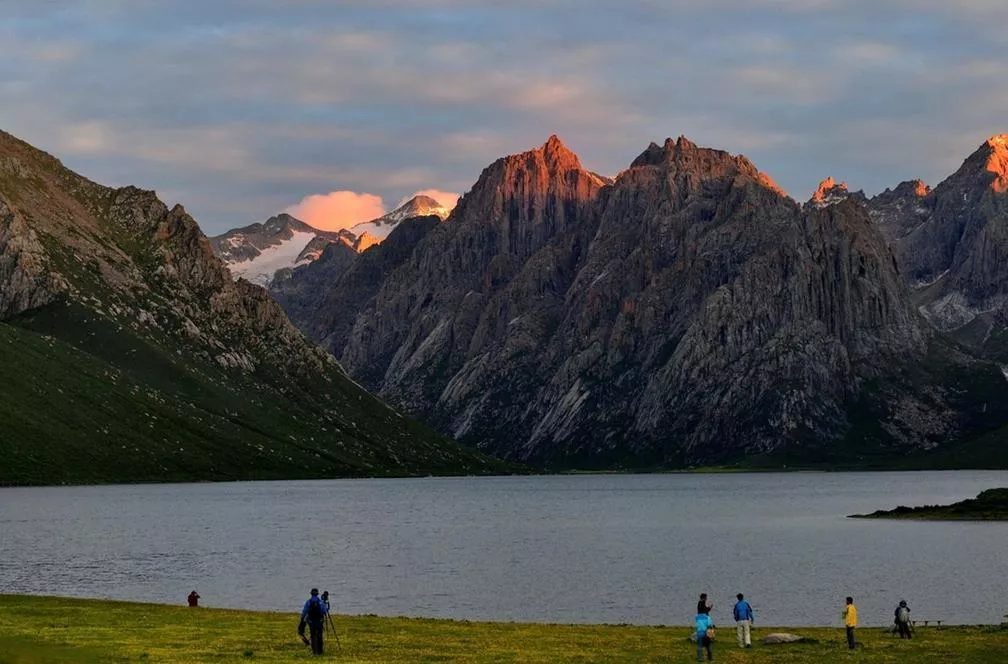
[240, 109]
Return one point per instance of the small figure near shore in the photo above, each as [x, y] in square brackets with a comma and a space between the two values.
[193, 598]
[313, 615]
[743, 622]
[702, 606]
[850, 621]
[901, 616]
[704, 636]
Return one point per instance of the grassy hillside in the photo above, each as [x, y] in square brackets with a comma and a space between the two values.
[46, 630]
[85, 399]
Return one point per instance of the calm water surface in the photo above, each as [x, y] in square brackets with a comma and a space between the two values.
[596, 548]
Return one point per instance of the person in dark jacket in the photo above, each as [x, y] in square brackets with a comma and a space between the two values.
[901, 616]
[743, 622]
[193, 598]
[702, 606]
[314, 614]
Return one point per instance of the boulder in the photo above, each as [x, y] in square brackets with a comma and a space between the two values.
[782, 637]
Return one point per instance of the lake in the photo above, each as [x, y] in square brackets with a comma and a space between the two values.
[572, 549]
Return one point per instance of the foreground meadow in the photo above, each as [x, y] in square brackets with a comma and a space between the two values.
[46, 629]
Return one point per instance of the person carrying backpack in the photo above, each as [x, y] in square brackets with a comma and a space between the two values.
[314, 614]
[902, 619]
[704, 636]
[743, 622]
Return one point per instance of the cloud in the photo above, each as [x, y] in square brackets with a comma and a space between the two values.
[337, 209]
[239, 107]
[445, 199]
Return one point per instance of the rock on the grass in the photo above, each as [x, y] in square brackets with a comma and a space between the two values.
[782, 637]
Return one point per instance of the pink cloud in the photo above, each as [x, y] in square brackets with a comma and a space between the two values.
[337, 209]
[446, 199]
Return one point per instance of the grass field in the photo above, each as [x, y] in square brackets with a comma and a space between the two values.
[45, 629]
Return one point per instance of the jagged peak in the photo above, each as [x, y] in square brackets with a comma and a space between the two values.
[997, 161]
[687, 155]
[829, 192]
[990, 159]
[557, 154]
[915, 187]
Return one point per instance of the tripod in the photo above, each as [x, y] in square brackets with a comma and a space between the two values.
[329, 622]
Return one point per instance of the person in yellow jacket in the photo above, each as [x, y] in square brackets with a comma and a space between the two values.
[850, 621]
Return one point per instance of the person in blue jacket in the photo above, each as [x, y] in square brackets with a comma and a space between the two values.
[704, 636]
[743, 622]
[314, 614]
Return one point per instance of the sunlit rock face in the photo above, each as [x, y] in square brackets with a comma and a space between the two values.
[686, 311]
[952, 245]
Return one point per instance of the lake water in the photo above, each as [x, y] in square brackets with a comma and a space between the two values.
[591, 548]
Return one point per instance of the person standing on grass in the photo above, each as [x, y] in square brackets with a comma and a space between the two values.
[743, 622]
[850, 621]
[193, 598]
[902, 619]
[702, 606]
[314, 614]
[704, 636]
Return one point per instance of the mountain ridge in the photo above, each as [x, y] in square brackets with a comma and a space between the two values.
[130, 343]
[687, 311]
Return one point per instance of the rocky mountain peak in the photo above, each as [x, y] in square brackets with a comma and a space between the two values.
[828, 192]
[997, 161]
[913, 187]
[546, 183]
[557, 155]
[684, 158]
[987, 165]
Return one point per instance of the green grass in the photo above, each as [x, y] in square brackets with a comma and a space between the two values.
[85, 399]
[45, 629]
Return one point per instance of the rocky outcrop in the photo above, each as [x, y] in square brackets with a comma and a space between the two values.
[687, 311]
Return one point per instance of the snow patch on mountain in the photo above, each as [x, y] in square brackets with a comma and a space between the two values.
[260, 270]
[418, 206]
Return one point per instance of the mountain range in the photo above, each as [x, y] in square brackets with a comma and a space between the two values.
[685, 312]
[261, 252]
[131, 354]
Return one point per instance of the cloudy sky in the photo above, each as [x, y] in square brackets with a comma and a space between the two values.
[242, 108]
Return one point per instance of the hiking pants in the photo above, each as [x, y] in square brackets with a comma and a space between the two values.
[904, 630]
[701, 643]
[742, 631]
[850, 638]
[317, 630]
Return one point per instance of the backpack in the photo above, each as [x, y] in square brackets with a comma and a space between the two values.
[315, 613]
[903, 615]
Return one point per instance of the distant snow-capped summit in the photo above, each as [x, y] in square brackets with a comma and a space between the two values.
[257, 251]
[418, 206]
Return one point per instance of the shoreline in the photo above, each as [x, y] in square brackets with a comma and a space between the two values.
[704, 470]
[292, 613]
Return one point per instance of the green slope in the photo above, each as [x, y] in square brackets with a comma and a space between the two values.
[85, 399]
